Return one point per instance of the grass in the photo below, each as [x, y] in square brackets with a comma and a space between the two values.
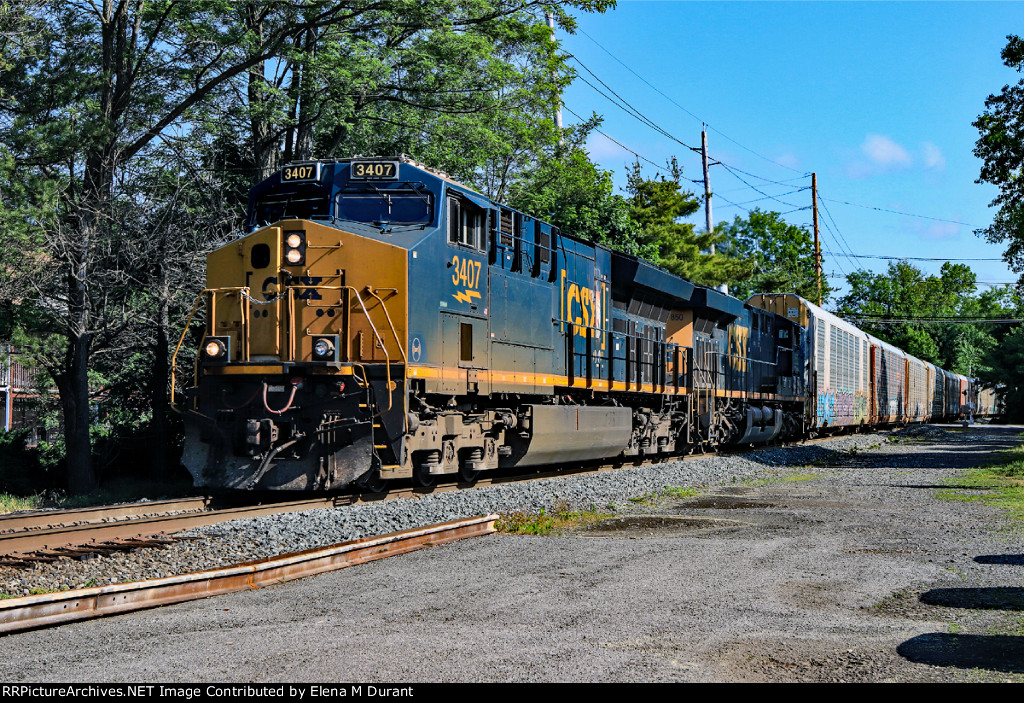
[125, 491]
[666, 492]
[795, 476]
[561, 517]
[12, 503]
[999, 484]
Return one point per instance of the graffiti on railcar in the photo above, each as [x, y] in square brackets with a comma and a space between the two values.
[841, 405]
[860, 407]
[826, 407]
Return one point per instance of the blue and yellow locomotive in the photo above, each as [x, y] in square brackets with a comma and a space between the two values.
[381, 321]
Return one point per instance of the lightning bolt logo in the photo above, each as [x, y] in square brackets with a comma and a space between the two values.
[466, 296]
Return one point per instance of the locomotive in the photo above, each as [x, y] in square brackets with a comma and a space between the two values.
[380, 321]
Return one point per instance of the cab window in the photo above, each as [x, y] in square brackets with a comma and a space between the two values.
[465, 223]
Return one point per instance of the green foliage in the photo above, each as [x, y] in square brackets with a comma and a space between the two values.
[1006, 369]
[565, 188]
[905, 292]
[658, 204]
[1000, 146]
[781, 256]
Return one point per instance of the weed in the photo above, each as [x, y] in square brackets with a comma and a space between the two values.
[679, 492]
[562, 517]
[959, 574]
[44, 591]
[11, 503]
[999, 484]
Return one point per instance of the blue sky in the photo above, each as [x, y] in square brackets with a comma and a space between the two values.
[877, 98]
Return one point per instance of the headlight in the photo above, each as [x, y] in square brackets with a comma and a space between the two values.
[325, 347]
[216, 348]
[295, 248]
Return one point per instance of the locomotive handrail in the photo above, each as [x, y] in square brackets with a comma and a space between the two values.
[380, 340]
[195, 306]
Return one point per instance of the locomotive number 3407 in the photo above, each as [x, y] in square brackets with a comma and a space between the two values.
[466, 272]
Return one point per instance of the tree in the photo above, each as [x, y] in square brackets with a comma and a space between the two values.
[657, 205]
[92, 91]
[781, 256]
[904, 293]
[1001, 148]
[564, 187]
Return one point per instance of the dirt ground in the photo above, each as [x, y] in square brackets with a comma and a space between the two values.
[882, 504]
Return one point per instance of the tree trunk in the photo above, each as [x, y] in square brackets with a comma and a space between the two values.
[75, 404]
[158, 384]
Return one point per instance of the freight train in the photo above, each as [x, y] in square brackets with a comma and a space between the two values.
[381, 321]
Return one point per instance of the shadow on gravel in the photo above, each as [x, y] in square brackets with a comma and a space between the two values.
[996, 598]
[993, 652]
[1005, 559]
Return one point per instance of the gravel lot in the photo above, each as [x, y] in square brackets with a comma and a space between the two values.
[829, 562]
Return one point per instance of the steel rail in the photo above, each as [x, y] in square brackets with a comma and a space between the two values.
[37, 519]
[49, 609]
[92, 535]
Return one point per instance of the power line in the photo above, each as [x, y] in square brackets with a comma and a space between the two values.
[659, 92]
[900, 212]
[912, 258]
[612, 139]
[624, 105]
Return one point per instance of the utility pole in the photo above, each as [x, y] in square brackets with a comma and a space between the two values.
[558, 99]
[708, 221]
[817, 245]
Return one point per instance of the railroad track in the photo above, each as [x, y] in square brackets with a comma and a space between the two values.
[46, 536]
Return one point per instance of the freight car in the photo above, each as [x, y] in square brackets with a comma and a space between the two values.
[381, 321]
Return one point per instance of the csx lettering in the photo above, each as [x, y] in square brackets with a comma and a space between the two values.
[307, 293]
[739, 338]
[582, 307]
[270, 285]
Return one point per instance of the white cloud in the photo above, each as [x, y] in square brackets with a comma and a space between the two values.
[885, 153]
[933, 156]
[788, 159]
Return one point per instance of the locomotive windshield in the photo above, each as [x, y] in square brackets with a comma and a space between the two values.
[284, 206]
[399, 206]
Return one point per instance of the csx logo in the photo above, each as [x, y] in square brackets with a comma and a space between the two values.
[739, 340]
[582, 307]
[271, 287]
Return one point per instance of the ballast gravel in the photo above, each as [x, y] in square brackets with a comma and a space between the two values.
[245, 540]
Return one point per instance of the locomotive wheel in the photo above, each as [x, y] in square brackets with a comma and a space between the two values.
[468, 475]
[422, 477]
[371, 482]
